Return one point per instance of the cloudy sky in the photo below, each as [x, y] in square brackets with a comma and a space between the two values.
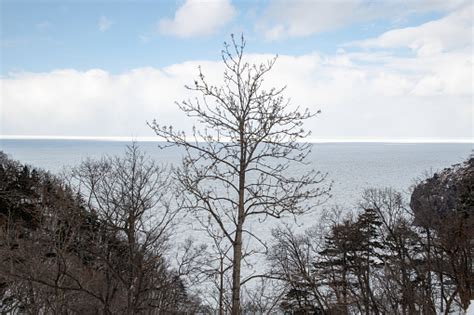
[377, 69]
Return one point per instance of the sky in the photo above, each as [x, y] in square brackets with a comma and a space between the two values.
[377, 70]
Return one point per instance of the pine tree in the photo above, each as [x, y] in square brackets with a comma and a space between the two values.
[337, 266]
[368, 255]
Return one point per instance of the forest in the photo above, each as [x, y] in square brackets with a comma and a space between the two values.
[98, 242]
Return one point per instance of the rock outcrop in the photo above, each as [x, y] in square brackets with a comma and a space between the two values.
[448, 192]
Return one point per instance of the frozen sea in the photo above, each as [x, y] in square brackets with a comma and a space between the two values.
[350, 167]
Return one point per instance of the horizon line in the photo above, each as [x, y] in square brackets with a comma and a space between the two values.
[309, 140]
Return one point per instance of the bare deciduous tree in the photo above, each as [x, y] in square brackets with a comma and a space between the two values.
[131, 196]
[237, 166]
[99, 249]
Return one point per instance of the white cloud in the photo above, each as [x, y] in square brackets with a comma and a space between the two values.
[198, 18]
[94, 102]
[302, 18]
[393, 98]
[104, 23]
[368, 94]
[284, 18]
[451, 32]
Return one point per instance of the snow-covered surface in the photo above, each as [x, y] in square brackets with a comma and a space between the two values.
[470, 309]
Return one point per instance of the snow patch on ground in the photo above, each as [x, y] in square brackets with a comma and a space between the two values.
[470, 309]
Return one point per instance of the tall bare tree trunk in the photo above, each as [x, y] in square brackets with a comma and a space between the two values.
[240, 222]
[221, 287]
[236, 271]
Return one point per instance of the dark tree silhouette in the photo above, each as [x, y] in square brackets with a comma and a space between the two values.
[443, 206]
[97, 250]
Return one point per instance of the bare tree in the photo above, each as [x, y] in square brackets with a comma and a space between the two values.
[263, 298]
[217, 267]
[292, 258]
[237, 166]
[96, 244]
[131, 196]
